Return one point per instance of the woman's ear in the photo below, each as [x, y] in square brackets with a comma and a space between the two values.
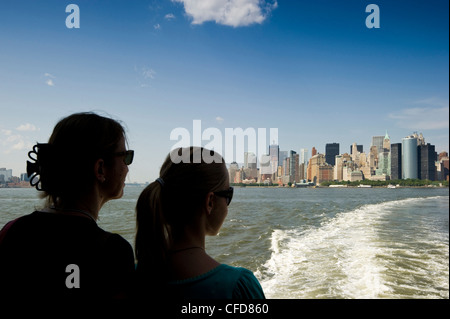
[209, 202]
[99, 170]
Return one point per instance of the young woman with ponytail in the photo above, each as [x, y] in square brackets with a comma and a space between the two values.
[174, 214]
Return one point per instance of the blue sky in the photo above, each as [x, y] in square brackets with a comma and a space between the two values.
[312, 69]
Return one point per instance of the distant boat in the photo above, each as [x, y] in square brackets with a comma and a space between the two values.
[391, 186]
[302, 185]
[364, 186]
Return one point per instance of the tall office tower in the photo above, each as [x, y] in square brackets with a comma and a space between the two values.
[313, 151]
[282, 156]
[410, 163]
[378, 142]
[304, 160]
[331, 150]
[427, 159]
[293, 165]
[396, 161]
[249, 160]
[386, 143]
[274, 153]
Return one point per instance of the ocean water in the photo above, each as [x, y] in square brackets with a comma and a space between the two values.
[315, 243]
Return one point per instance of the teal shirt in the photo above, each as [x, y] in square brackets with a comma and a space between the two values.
[222, 282]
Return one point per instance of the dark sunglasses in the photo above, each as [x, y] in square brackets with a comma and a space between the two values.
[128, 156]
[228, 194]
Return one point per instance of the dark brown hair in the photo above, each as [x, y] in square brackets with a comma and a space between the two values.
[66, 164]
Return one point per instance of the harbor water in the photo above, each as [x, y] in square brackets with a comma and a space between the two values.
[315, 243]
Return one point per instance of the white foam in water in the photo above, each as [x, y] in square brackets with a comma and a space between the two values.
[337, 260]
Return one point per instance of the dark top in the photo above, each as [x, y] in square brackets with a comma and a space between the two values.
[37, 251]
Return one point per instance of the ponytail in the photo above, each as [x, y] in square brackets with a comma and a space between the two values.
[152, 236]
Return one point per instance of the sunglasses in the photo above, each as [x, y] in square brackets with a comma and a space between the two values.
[128, 156]
[228, 194]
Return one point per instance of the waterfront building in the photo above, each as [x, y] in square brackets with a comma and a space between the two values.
[233, 172]
[331, 150]
[293, 166]
[338, 167]
[427, 158]
[410, 165]
[274, 153]
[396, 161]
[318, 170]
[304, 160]
[250, 160]
[5, 175]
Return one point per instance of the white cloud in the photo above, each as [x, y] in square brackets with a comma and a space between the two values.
[49, 79]
[422, 118]
[157, 26]
[27, 127]
[220, 119]
[169, 16]
[235, 13]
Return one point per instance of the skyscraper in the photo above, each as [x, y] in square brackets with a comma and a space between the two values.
[304, 160]
[331, 150]
[378, 142]
[396, 161]
[427, 159]
[410, 165]
[274, 153]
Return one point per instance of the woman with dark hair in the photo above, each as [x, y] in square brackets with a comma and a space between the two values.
[174, 214]
[59, 251]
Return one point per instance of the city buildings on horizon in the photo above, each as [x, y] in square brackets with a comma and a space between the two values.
[413, 158]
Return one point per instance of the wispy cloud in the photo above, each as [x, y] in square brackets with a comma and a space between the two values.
[144, 75]
[157, 26]
[49, 79]
[14, 140]
[27, 128]
[220, 119]
[434, 115]
[169, 16]
[235, 13]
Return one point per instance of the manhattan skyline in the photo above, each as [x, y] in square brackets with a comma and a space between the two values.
[311, 69]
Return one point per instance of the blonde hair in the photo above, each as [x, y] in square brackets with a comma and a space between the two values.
[166, 206]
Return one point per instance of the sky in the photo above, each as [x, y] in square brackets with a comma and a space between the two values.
[311, 69]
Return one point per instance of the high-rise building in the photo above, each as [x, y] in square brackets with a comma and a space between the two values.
[427, 158]
[378, 142]
[331, 150]
[304, 160]
[293, 165]
[386, 143]
[396, 161]
[359, 148]
[410, 163]
[249, 160]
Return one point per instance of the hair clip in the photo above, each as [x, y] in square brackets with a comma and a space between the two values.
[160, 181]
[34, 169]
